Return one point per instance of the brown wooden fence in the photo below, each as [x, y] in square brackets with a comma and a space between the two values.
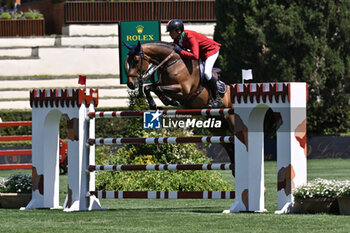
[109, 12]
[22, 27]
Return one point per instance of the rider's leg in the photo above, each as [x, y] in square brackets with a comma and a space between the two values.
[208, 69]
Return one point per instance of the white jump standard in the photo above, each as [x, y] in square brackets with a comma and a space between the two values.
[288, 102]
[47, 108]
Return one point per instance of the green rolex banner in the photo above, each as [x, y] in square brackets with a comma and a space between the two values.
[131, 32]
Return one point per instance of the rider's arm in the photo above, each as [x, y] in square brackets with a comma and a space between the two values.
[194, 49]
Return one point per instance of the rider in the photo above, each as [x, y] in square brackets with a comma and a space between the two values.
[193, 45]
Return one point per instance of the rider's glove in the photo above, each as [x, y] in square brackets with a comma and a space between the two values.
[177, 49]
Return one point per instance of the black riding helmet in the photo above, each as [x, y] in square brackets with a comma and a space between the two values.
[175, 24]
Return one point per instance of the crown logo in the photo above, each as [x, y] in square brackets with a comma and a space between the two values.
[139, 29]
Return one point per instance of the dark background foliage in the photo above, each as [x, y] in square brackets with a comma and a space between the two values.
[292, 41]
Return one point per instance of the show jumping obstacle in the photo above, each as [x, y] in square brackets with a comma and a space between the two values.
[287, 100]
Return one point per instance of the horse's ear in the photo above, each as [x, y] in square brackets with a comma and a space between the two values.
[127, 45]
[138, 47]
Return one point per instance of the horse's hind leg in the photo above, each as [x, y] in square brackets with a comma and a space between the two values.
[147, 90]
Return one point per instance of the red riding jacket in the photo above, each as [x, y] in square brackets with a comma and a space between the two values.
[199, 45]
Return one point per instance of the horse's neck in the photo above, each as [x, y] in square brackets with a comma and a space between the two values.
[157, 54]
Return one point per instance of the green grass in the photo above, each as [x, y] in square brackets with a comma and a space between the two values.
[184, 215]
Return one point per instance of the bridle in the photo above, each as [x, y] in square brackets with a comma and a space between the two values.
[143, 77]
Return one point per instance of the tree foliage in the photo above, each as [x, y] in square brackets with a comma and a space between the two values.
[299, 41]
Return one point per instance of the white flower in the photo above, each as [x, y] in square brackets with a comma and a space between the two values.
[323, 188]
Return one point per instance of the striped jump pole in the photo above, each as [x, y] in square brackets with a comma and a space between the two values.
[15, 138]
[179, 112]
[160, 140]
[161, 167]
[15, 166]
[15, 152]
[15, 123]
[163, 194]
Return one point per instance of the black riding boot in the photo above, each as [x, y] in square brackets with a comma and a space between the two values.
[217, 102]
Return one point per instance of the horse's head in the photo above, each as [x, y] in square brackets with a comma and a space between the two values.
[135, 64]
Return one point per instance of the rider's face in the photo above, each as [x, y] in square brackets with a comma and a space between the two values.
[174, 34]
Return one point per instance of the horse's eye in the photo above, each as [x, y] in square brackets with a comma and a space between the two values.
[126, 64]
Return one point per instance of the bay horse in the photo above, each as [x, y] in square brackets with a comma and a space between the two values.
[179, 81]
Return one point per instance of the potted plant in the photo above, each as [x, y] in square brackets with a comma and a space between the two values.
[344, 198]
[33, 14]
[15, 191]
[5, 15]
[317, 196]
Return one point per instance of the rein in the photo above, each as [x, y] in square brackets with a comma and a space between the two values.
[152, 68]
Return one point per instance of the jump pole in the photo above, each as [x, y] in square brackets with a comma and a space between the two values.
[179, 112]
[164, 194]
[161, 167]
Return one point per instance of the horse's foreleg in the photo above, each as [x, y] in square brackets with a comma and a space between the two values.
[147, 90]
[174, 92]
[158, 90]
[165, 99]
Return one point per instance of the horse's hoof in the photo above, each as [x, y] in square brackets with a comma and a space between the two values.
[174, 103]
[152, 106]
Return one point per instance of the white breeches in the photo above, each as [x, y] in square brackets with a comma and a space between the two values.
[209, 64]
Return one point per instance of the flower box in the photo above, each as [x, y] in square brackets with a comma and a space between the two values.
[16, 191]
[14, 200]
[344, 205]
[316, 205]
[323, 196]
[22, 27]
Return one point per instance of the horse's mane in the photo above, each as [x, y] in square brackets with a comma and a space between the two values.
[161, 43]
